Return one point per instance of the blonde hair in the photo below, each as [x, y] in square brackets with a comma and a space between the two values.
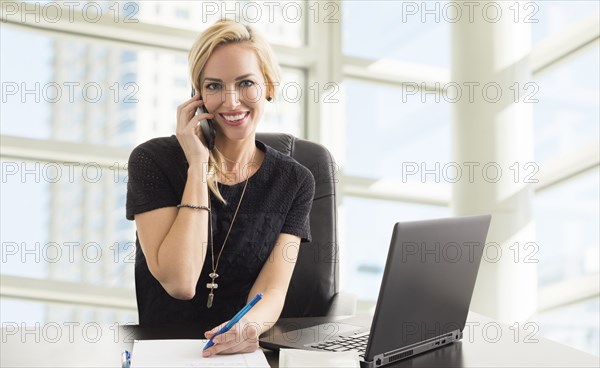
[223, 32]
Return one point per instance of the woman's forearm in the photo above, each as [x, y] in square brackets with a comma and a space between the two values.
[265, 313]
[182, 252]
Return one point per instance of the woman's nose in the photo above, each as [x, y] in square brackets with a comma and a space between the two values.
[231, 100]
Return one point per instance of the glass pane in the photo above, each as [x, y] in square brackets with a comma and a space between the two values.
[282, 22]
[576, 325]
[567, 114]
[66, 221]
[388, 128]
[365, 239]
[549, 18]
[414, 32]
[568, 216]
[18, 312]
[89, 92]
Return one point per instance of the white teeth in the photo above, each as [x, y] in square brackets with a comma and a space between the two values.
[234, 117]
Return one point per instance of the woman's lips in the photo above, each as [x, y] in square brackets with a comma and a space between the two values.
[235, 122]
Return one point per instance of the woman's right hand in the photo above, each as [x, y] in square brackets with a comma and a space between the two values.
[188, 131]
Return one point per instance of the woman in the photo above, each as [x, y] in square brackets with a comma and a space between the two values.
[256, 200]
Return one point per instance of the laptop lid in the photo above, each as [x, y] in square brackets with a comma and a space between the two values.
[426, 290]
[428, 281]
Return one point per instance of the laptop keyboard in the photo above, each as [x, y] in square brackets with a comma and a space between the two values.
[354, 342]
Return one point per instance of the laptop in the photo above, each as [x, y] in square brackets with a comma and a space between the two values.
[423, 301]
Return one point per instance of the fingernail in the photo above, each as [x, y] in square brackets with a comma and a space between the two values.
[206, 353]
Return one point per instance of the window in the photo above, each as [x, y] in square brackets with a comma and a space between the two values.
[401, 30]
[50, 213]
[549, 18]
[566, 116]
[576, 325]
[49, 95]
[566, 209]
[282, 22]
[388, 127]
[368, 224]
[59, 104]
[396, 136]
[567, 218]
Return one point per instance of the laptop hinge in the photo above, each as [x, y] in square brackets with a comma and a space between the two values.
[413, 349]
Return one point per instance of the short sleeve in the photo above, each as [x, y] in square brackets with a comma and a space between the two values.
[297, 219]
[148, 186]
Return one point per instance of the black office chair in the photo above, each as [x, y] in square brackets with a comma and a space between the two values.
[313, 290]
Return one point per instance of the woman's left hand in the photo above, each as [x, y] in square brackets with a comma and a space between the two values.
[242, 338]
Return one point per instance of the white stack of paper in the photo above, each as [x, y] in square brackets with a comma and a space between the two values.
[294, 358]
[188, 353]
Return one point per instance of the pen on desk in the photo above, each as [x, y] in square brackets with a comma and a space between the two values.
[234, 320]
[125, 359]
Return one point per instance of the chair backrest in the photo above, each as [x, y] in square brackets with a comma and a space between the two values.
[315, 279]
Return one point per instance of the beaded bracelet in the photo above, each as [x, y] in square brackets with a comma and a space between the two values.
[193, 207]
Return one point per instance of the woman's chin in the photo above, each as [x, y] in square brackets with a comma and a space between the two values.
[238, 134]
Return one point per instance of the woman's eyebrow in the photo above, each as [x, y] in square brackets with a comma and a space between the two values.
[238, 78]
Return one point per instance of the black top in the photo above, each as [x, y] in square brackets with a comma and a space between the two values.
[278, 199]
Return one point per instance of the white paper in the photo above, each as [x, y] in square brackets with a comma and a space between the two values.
[294, 358]
[188, 353]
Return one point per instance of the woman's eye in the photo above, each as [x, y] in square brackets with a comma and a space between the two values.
[212, 86]
[246, 83]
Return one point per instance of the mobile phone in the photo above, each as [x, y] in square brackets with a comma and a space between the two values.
[207, 126]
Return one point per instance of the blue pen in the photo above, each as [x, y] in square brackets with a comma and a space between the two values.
[125, 359]
[234, 320]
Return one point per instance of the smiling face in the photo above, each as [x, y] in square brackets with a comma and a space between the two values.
[233, 89]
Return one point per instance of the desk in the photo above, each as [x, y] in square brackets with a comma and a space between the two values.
[486, 343]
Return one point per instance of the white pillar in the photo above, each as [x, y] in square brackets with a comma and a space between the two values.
[490, 133]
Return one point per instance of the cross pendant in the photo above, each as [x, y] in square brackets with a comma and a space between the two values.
[212, 286]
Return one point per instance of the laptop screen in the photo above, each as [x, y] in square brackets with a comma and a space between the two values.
[428, 281]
